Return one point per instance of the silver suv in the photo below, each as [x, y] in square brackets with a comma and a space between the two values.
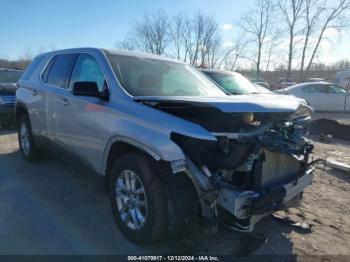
[171, 144]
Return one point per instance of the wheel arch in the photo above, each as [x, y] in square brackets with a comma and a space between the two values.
[164, 169]
[20, 111]
[121, 145]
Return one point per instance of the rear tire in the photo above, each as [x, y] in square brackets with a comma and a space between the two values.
[27, 146]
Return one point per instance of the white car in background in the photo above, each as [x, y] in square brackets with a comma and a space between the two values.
[343, 79]
[322, 96]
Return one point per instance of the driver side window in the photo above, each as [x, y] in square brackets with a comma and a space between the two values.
[87, 69]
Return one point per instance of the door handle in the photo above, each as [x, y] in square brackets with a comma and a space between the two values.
[64, 101]
[34, 92]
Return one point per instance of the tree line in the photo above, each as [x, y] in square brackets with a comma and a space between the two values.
[15, 64]
[272, 34]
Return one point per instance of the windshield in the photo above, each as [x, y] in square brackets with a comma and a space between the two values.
[152, 77]
[233, 83]
[9, 76]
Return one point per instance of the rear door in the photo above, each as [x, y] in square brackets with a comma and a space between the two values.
[56, 78]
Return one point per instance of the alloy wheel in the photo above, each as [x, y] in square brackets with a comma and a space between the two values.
[131, 199]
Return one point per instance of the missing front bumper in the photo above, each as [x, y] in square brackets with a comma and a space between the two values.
[245, 204]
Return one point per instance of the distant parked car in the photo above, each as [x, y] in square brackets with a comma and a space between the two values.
[236, 84]
[343, 79]
[262, 89]
[315, 79]
[264, 84]
[232, 82]
[261, 82]
[8, 80]
[286, 82]
[282, 83]
[322, 96]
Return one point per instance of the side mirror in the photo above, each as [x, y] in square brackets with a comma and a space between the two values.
[86, 89]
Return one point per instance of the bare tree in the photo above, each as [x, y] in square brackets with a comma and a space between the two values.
[125, 45]
[205, 37]
[188, 41]
[214, 52]
[312, 13]
[340, 65]
[333, 17]
[196, 39]
[257, 24]
[232, 54]
[291, 11]
[151, 33]
[269, 56]
[210, 43]
[177, 34]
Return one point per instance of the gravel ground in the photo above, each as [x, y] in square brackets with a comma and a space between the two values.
[53, 208]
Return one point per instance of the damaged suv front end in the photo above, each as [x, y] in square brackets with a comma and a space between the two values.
[256, 162]
[246, 155]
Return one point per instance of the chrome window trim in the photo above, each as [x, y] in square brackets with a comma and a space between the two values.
[115, 76]
[53, 55]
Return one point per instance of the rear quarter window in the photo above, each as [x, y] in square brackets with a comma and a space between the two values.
[32, 67]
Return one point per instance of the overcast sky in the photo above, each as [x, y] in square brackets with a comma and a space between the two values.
[28, 26]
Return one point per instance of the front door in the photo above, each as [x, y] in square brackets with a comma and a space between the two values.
[336, 97]
[82, 124]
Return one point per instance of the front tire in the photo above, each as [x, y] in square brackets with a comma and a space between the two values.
[27, 146]
[138, 199]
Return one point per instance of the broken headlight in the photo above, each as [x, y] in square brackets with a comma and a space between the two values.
[302, 112]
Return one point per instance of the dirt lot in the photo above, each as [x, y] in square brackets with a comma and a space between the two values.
[52, 208]
[341, 117]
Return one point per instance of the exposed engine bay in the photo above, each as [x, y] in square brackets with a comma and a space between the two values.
[257, 164]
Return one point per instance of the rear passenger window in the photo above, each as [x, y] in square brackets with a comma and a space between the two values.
[47, 70]
[32, 67]
[60, 70]
[314, 89]
[87, 69]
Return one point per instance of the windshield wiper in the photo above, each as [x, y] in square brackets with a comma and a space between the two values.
[235, 93]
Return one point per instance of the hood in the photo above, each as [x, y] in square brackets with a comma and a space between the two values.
[7, 89]
[256, 103]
